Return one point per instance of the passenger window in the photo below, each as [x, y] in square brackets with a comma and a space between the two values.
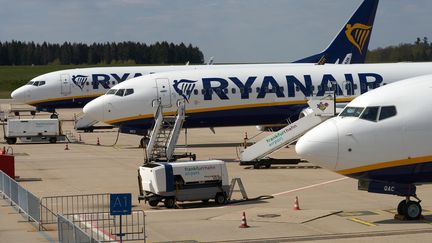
[87, 83]
[225, 91]
[111, 91]
[120, 92]
[282, 89]
[258, 89]
[351, 112]
[370, 114]
[129, 92]
[233, 90]
[250, 90]
[113, 82]
[195, 91]
[386, 112]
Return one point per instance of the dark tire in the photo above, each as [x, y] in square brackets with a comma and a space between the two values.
[267, 166]
[257, 166]
[11, 140]
[220, 198]
[401, 207]
[413, 210]
[169, 202]
[53, 140]
[205, 201]
[54, 116]
[153, 202]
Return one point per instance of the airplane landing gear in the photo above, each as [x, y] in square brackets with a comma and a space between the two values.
[54, 115]
[411, 210]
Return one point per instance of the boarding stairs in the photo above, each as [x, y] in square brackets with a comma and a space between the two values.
[321, 109]
[83, 122]
[165, 134]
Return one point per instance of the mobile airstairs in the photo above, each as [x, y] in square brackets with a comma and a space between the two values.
[320, 109]
[165, 134]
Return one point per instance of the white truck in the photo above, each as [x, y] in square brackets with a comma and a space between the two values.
[33, 130]
[183, 181]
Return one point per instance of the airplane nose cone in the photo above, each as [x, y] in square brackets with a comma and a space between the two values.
[320, 145]
[18, 94]
[94, 109]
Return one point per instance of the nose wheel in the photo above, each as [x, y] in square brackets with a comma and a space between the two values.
[411, 210]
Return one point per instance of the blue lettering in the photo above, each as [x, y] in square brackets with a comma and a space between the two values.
[325, 85]
[365, 84]
[305, 89]
[244, 88]
[120, 79]
[219, 90]
[102, 79]
[267, 81]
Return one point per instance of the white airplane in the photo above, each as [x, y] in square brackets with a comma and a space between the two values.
[240, 96]
[382, 138]
[74, 88]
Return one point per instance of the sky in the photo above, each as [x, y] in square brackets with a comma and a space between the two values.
[232, 31]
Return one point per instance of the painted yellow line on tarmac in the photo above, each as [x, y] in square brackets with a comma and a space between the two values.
[362, 222]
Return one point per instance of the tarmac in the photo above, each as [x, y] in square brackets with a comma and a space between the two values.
[332, 209]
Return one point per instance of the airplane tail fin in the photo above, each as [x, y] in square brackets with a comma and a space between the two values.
[351, 44]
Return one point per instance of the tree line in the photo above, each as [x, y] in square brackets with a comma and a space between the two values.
[419, 51]
[30, 53]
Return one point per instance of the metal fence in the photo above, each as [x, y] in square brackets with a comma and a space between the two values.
[20, 198]
[68, 232]
[72, 204]
[104, 227]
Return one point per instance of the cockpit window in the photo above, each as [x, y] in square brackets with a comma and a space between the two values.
[120, 92]
[351, 112]
[111, 91]
[370, 113]
[129, 92]
[36, 83]
[387, 112]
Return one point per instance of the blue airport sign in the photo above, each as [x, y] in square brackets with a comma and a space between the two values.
[121, 204]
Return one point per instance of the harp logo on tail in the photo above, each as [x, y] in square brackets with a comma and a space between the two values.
[79, 80]
[184, 87]
[357, 34]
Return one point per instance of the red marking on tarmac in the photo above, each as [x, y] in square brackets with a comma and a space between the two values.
[99, 230]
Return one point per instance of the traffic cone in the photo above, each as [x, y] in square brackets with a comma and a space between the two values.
[66, 147]
[296, 204]
[98, 142]
[243, 222]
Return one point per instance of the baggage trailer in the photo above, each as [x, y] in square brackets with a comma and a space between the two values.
[33, 130]
[183, 181]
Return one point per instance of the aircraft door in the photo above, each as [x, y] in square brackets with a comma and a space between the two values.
[347, 88]
[164, 91]
[65, 84]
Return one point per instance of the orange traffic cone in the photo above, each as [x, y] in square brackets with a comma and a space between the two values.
[98, 142]
[243, 222]
[66, 147]
[296, 204]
